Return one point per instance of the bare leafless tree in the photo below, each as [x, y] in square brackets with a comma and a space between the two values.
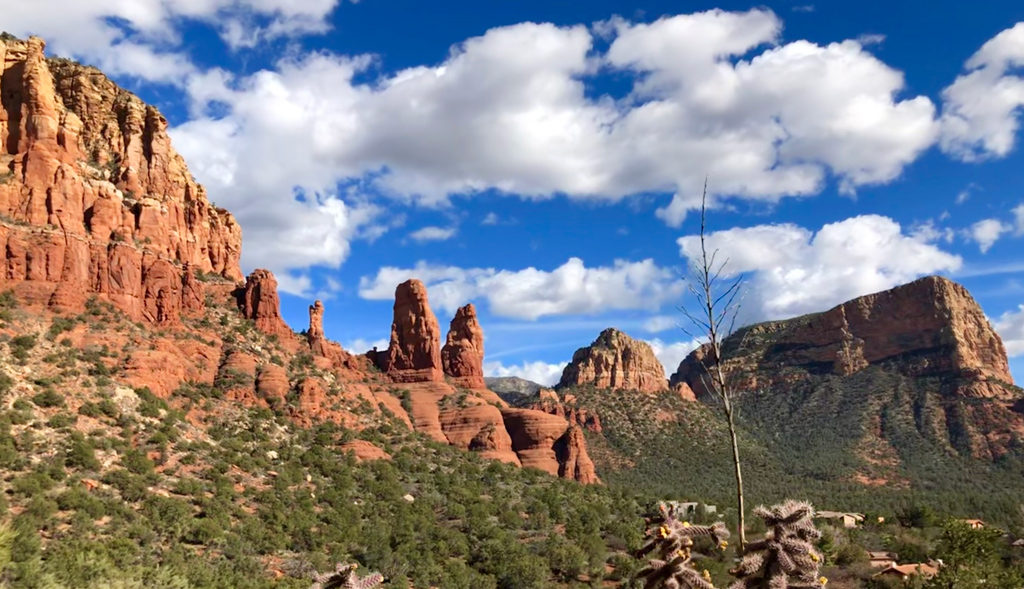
[714, 319]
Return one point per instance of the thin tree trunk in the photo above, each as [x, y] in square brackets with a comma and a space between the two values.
[717, 310]
[739, 482]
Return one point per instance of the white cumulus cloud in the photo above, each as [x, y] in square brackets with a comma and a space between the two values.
[987, 232]
[660, 323]
[143, 38]
[792, 270]
[1018, 219]
[530, 293]
[1010, 327]
[981, 109]
[764, 119]
[671, 354]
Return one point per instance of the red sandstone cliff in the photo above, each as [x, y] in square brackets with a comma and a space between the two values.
[922, 353]
[929, 327]
[616, 361]
[94, 201]
[93, 198]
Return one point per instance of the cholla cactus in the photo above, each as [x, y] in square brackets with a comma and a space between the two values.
[668, 544]
[786, 557]
[344, 577]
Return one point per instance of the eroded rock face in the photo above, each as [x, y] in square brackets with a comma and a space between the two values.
[272, 384]
[546, 442]
[923, 350]
[616, 361]
[463, 353]
[930, 327]
[94, 199]
[259, 302]
[573, 461]
[479, 428]
[566, 407]
[414, 352]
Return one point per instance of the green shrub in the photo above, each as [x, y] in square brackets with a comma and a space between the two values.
[80, 454]
[48, 398]
[20, 346]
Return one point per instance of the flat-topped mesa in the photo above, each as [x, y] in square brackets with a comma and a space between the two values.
[259, 302]
[414, 351]
[93, 198]
[931, 327]
[616, 361]
[463, 353]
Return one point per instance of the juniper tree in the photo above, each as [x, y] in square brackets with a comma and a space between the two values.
[344, 577]
[668, 549]
[786, 557]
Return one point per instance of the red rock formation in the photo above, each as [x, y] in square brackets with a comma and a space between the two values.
[930, 327]
[549, 401]
[616, 361]
[272, 384]
[479, 428]
[364, 451]
[315, 333]
[93, 199]
[193, 296]
[260, 303]
[414, 353]
[573, 461]
[924, 351]
[237, 377]
[463, 353]
[545, 442]
[318, 342]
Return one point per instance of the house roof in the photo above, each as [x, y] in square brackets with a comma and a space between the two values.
[839, 514]
[908, 570]
[881, 554]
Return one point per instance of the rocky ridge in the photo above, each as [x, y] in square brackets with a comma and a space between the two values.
[102, 225]
[931, 327]
[924, 349]
[93, 198]
[615, 361]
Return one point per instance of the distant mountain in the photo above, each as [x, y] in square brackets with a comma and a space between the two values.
[511, 388]
[899, 395]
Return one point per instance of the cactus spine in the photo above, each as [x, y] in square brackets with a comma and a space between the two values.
[785, 558]
[668, 547]
[344, 577]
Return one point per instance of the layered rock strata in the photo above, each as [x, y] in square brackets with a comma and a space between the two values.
[616, 361]
[94, 201]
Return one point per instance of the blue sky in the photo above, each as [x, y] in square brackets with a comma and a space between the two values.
[543, 159]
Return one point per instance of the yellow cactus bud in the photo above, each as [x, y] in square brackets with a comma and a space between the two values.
[823, 580]
[686, 524]
[723, 544]
[815, 557]
[664, 532]
[707, 575]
